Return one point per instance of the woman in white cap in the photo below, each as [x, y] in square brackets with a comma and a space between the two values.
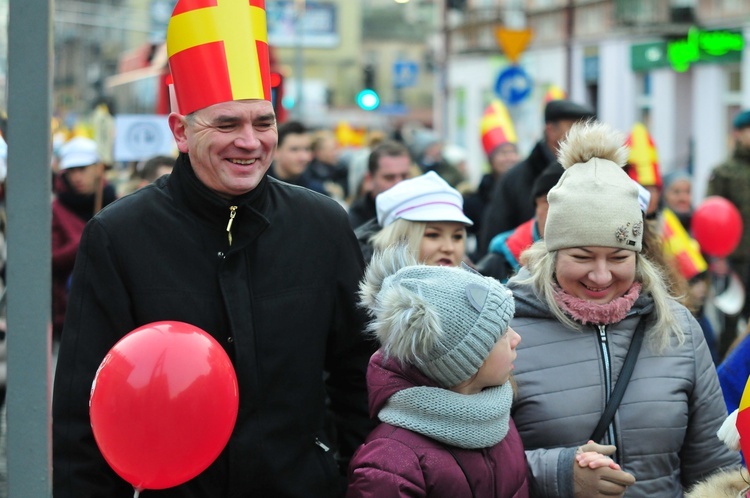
[593, 309]
[425, 214]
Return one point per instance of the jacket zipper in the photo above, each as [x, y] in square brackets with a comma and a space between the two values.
[232, 214]
[604, 346]
[322, 445]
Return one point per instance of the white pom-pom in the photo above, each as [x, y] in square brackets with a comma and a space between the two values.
[589, 139]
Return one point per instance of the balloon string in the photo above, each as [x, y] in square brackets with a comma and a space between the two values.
[137, 492]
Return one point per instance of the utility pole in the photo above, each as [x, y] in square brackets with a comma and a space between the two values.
[569, 31]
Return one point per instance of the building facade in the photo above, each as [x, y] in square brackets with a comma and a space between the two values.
[678, 66]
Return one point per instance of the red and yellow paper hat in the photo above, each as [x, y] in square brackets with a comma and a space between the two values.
[496, 127]
[218, 52]
[554, 92]
[643, 162]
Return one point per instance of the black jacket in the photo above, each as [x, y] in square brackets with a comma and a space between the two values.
[511, 203]
[281, 300]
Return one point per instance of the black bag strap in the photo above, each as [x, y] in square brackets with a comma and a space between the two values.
[622, 382]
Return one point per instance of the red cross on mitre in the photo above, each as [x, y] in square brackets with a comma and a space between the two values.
[218, 52]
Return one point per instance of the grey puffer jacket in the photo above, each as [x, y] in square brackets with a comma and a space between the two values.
[665, 427]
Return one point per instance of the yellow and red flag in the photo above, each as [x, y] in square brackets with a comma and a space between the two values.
[643, 162]
[680, 247]
[554, 92]
[496, 127]
[743, 421]
[218, 52]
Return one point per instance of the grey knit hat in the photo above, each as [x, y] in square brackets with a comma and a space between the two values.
[443, 320]
[595, 203]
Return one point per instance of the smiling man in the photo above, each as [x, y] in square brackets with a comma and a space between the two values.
[218, 244]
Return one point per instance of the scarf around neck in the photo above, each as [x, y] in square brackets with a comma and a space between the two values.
[601, 314]
[463, 420]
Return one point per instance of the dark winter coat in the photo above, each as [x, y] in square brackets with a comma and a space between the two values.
[362, 210]
[281, 300]
[396, 462]
[511, 202]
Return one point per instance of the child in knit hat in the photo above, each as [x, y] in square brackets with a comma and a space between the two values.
[440, 384]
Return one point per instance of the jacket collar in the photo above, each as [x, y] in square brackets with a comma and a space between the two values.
[208, 206]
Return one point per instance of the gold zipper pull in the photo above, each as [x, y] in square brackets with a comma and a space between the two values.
[232, 214]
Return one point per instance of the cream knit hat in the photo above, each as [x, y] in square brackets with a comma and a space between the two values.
[443, 320]
[595, 203]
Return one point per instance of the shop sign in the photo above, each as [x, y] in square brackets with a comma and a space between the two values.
[698, 47]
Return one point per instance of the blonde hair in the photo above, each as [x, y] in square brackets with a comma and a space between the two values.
[541, 266]
[400, 232]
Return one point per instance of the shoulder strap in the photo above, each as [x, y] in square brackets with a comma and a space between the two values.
[622, 382]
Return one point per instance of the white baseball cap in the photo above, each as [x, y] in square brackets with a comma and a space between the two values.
[424, 198]
[78, 152]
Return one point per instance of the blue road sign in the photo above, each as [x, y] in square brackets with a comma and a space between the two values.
[405, 74]
[513, 85]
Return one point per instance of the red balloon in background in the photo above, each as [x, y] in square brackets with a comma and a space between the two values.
[717, 226]
[163, 404]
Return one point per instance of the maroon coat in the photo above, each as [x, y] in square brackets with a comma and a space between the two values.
[67, 228]
[395, 462]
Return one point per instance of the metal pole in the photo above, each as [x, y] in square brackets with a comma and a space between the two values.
[29, 248]
[299, 12]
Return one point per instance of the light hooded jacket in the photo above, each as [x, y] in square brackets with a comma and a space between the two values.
[665, 427]
[281, 300]
[398, 463]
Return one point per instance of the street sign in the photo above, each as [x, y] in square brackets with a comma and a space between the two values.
[405, 74]
[513, 85]
[513, 41]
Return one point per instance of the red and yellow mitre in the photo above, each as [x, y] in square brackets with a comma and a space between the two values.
[643, 162]
[496, 127]
[218, 52]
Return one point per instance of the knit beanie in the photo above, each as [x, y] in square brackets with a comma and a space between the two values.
[443, 320]
[595, 203]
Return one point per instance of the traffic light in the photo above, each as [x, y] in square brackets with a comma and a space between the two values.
[368, 99]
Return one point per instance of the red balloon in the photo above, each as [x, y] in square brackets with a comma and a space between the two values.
[163, 404]
[717, 226]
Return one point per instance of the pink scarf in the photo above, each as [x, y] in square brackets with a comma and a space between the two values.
[603, 314]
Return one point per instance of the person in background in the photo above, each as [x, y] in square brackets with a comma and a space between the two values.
[499, 141]
[80, 191]
[585, 295]
[731, 180]
[677, 196]
[293, 155]
[509, 202]
[425, 214]
[325, 167]
[389, 163]
[270, 270]
[504, 256]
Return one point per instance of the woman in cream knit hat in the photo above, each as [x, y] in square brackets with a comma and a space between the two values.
[585, 292]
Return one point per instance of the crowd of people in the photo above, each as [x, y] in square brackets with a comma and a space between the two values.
[394, 331]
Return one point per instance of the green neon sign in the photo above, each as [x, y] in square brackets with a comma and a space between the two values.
[701, 45]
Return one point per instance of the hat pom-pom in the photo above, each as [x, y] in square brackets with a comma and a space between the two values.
[411, 327]
[728, 432]
[382, 265]
[589, 139]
